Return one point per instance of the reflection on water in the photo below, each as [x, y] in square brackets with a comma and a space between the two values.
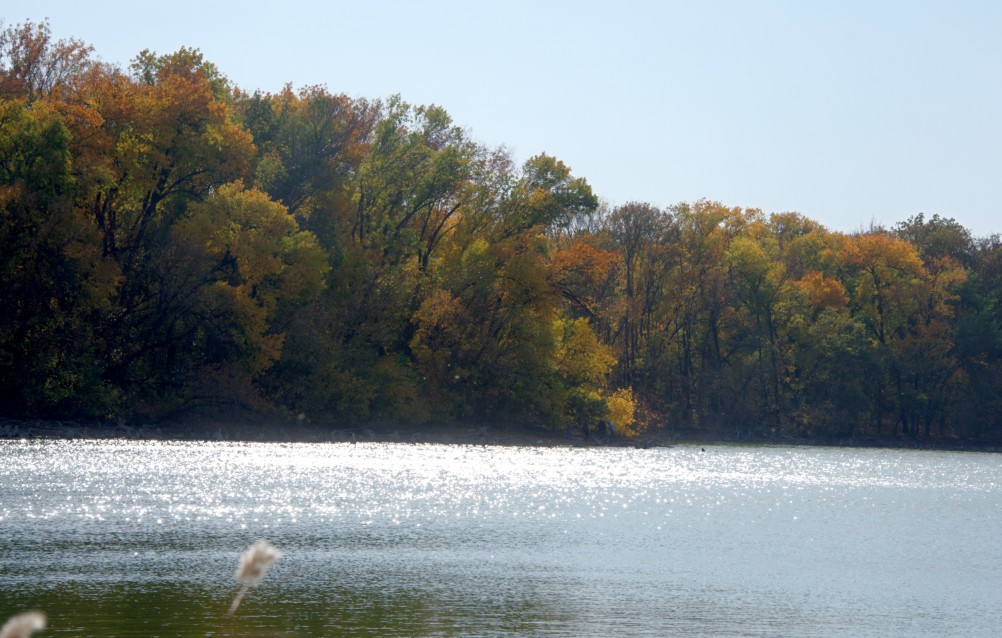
[142, 539]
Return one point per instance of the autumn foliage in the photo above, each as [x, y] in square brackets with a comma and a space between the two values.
[169, 242]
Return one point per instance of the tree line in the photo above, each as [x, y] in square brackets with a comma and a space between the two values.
[171, 242]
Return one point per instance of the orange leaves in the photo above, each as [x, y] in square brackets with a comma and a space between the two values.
[172, 135]
[584, 273]
[883, 256]
[583, 263]
[822, 292]
[33, 66]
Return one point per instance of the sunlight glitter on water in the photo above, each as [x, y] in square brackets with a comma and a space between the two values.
[572, 542]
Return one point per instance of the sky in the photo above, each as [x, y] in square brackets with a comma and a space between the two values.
[850, 112]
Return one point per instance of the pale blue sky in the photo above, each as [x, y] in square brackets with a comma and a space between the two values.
[844, 111]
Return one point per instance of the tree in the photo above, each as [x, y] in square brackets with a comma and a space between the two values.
[907, 311]
[704, 316]
[585, 274]
[829, 362]
[245, 265]
[152, 69]
[978, 328]
[556, 199]
[937, 238]
[410, 186]
[583, 364]
[158, 142]
[52, 280]
[643, 236]
[33, 66]
[487, 336]
[311, 144]
[761, 281]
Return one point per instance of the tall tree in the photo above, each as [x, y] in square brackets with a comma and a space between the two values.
[311, 144]
[164, 140]
[34, 66]
[644, 237]
[52, 280]
[906, 308]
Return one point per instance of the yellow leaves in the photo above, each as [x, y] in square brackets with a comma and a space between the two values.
[894, 289]
[709, 218]
[581, 358]
[748, 257]
[622, 408]
[256, 258]
[262, 240]
[883, 255]
[887, 271]
[438, 337]
[248, 329]
[305, 266]
[165, 136]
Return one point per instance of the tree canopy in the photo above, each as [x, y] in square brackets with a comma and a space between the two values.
[171, 242]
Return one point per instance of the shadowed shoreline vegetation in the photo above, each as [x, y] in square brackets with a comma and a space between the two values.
[172, 245]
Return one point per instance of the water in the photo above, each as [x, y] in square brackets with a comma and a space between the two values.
[143, 538]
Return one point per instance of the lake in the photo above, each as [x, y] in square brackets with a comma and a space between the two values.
[125, 538]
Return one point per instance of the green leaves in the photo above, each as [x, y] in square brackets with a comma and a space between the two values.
[167, 239]
[52, 281]
[253, 264]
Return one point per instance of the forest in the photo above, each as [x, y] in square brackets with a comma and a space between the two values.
[170, 243]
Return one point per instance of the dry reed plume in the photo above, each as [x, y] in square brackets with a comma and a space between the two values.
[253, 565]
[23, 625]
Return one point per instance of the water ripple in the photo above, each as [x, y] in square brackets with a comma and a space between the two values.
[423, 539]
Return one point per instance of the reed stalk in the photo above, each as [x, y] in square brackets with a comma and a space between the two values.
[253, 565]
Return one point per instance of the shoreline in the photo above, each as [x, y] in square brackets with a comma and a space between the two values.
[285, 432]
[276, 431]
